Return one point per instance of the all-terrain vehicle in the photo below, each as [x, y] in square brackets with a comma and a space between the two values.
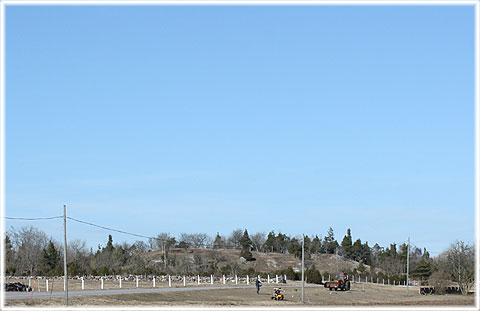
[341, 282]
[277, 294]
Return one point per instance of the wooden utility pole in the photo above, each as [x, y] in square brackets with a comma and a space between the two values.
[65, 253]
[303, 268]
[164, 256]
[408, 255]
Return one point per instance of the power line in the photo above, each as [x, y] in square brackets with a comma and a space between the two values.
[116, 230]
[37, 218]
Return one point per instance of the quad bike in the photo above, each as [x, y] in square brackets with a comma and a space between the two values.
[277, 294]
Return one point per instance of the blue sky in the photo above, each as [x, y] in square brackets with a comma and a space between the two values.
[207, 119]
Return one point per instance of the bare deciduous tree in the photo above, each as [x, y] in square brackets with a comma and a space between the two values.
[29, 243]
[197, 240]
[461, 265]
[258, 240]
[235, 237]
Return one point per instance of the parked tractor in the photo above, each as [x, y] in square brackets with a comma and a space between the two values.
[341, 282]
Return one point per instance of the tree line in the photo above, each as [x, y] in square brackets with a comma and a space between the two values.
[29, 251]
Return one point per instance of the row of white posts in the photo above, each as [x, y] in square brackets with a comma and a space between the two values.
[223, 281]
[403, 283]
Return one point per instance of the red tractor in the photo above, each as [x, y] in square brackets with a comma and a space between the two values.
[341, 282]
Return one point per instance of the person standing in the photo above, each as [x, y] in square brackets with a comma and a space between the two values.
[258, 284]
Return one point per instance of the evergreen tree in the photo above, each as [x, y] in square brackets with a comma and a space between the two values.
[313, 275]
[308, 245]
[247, 246]
[330, 243]
[316, 245]
[218, 243]
[423, 269]
[393, 250]
[247, 254]
[295, 248]
[357, 250]
[245, 241]
[282, 242]
[109, 248]
[269, 244]
[347, 244]
[291, 275]
[50, 258]
[366, 254]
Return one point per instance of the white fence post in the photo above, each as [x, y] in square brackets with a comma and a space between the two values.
[276, 278]
[136, 279]
[184, 281]
[101, 283]
[120, 282]
[198, 280]
[236, 279]
[83, 283]
[211, 279]
[268, 278]
[366, 280]
[29, 282]
[224, 281]
[388, 281]
[323, 280]
[154, 281]
[46, 284]
[285, 278]
[248, 281]
[169, 281]
[329, 277]
[38, 283]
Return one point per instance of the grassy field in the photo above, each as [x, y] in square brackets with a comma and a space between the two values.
[360, 295]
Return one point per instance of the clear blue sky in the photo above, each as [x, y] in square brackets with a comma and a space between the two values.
[207, 119]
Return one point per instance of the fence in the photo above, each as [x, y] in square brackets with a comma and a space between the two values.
[43, 283]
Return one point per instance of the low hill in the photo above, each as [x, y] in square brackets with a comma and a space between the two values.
[205, 261]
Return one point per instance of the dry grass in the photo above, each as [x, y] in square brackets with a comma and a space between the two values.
[360, 295]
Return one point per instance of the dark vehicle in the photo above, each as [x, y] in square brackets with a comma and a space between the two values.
[17, 287]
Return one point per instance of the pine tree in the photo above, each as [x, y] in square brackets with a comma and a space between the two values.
[347, 244]
[247, 246]
[50, 258]
[330, 243]
[357, 250]
[109, 247]
[245, 241]
[269, 244]
[295, 248]
[313, 275]
[316, 246]
[218, 243]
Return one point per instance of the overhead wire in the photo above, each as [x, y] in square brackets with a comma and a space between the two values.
[36, 218]
[115, 230]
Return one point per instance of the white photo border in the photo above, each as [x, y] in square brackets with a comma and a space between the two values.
[473, 3]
